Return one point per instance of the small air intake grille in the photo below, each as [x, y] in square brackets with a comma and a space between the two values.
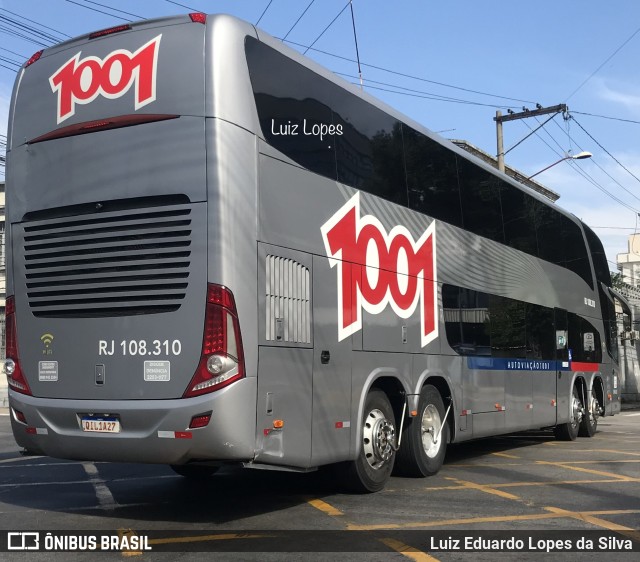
[117, 263]
[287, 292]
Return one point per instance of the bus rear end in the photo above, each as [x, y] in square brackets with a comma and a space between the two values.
[118, 346]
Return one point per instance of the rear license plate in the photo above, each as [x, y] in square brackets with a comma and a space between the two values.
[101, 425]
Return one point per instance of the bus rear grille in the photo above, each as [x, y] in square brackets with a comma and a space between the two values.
[108, 264]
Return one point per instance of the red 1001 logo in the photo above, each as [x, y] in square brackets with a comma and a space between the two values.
[377, 269]
[83, 80]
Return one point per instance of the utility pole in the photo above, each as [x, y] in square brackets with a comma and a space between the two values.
[500, 119]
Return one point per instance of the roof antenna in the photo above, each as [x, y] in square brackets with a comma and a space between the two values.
[355, 38]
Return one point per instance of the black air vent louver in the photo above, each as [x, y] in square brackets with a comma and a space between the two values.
[125, 262]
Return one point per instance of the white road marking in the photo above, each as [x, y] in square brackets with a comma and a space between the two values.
[104, 495]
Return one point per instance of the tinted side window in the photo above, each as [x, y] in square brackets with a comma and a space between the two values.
[540, 332]
[466, 315]
[599, 257]
[518, 219]
[480, 195]
[432, 178]
[507, 327]
[560, 241]
[293, 105]
[576, 258]
[584, 340]
[369, 149]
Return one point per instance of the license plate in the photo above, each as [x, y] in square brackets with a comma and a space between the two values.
[101, 425]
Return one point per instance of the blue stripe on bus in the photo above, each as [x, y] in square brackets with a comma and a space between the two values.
[504, 364]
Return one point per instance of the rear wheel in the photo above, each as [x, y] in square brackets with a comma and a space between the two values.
[194, 471]
[372, 469]
[569, 431]
[424, 437]
[589, 422]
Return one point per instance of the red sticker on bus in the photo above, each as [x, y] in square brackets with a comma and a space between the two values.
[80, 81]
[377, 269]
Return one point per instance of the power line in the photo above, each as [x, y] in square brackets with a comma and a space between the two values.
[607, 117]
[326, 28]
[294, 25]
[96, 10]
[264, 12]
[609, 153]
[605, 62]
[12, 32]
[13, 52]
[429, 97]
[594, 161]
[36, 23]
[42, 35]
[113, 9]
[531, 133]
[183, 5]
[584, 174]
[404, 75]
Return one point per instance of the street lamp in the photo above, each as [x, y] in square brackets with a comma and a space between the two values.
[579, 156]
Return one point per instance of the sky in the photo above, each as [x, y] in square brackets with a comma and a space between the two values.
[448, 65]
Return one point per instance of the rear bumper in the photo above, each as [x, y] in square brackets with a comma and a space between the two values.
[152, 431]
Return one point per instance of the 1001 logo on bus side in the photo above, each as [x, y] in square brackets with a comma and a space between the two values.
[377, 269]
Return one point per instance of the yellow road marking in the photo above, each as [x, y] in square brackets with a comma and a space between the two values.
[485, 488]
[205, 538]
[128, 533]
[505, 455]
[589, 470]
[559, 482]
[479, 520]
[325, 507]
[505, 464]
[610, 451]
[589, 519]
[533, 483]
[408, 551]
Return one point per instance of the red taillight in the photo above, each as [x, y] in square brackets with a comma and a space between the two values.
[201, 420]
[109, 31]
[118, 122]
[15, 376]
[19, 416]
[34, 58]
[198, 17]
[222, 359]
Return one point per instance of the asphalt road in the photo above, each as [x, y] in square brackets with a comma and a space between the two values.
[528, 483]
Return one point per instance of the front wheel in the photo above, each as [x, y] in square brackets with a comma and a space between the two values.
[424, 437]
[569, 431]
[372, 469]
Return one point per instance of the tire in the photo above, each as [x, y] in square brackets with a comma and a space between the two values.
[569, 431]
[419, 454]
[372, 469]
[194, 471]
[589, 422]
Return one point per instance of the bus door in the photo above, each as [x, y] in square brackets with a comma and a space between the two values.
[563, 374]
[284, 357]
[332, 424]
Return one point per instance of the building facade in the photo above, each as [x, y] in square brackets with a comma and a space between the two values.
[629, 263]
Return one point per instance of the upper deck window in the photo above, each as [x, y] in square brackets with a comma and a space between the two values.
[337, 134]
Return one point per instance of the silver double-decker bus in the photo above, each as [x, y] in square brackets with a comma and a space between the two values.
[221, 253]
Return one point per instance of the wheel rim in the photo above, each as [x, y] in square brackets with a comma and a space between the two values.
[430, 429]
[594, 411]
[576, 410]
[378, 439]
